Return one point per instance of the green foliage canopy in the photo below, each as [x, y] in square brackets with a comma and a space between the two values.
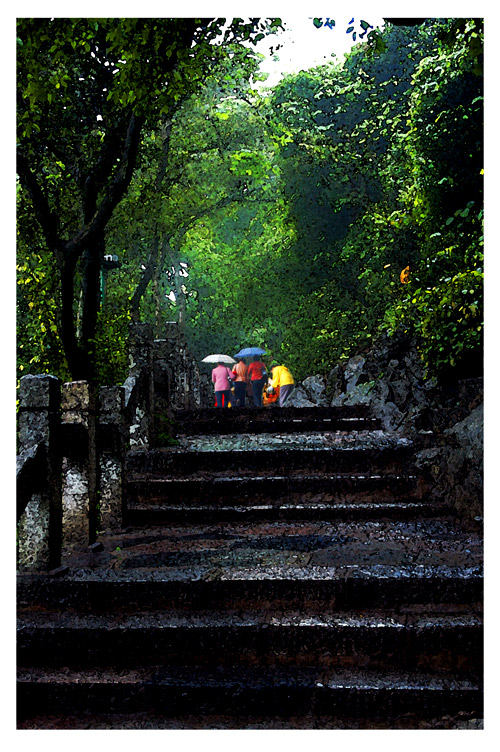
[279, 218]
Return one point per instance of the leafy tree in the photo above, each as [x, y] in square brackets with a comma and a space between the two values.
[349, 149]
[87, 88]
[205, 160]
[444, 199]
[337, 125]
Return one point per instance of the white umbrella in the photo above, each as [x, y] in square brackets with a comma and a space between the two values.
[217, 358]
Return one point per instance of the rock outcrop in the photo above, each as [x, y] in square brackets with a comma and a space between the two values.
[455, 468]
[390, 380]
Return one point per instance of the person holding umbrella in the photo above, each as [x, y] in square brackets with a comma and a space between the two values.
[240, 382]
[248, 352]
[221, 376]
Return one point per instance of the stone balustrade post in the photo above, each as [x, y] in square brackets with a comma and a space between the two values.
[112, 444]
[39, 529]
[80, 466]
[140, 345]
[163, 385]
[177, 377]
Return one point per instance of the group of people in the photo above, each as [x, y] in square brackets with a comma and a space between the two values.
[252, 381]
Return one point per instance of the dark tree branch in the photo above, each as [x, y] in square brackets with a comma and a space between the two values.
[162, 167]
[95, 181]
[48, 220]
[116, 191]
[147, 276]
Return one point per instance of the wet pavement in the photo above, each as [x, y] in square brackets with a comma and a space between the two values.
[368, 617]
[347, 546]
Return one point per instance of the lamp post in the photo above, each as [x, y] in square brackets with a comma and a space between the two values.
[110, 261]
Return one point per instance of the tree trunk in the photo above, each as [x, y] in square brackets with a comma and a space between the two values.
[91, 300]
[147, 276]
[77, 359]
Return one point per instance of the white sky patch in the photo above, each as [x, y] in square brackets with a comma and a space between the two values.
[304, 46]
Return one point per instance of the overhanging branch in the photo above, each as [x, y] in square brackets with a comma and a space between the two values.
[48, 221]
[121, 181]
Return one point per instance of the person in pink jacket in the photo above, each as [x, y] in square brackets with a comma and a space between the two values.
[220, 377]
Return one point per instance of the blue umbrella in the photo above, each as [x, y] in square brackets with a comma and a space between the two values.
[247, 351]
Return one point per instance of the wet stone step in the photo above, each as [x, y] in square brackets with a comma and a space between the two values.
[276, 489]
[446, 642]
[353, 543]
[345, 587]
[301, 551]
[300, 438]
[175, 461]
[461, 720]
[272, 415]
[156, 512]
[247, 425]
[417, 535]
[245, 692]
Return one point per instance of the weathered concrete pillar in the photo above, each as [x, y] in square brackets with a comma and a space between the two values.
[80, 466]
[140, 381]
[177, 376]
[111, 449]
[162, 384]
[140, 347]
[195, 381]
[39, 473]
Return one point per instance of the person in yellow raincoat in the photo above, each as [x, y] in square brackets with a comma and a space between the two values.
[282, 380]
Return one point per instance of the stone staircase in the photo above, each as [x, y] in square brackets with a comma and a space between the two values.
[279, 568]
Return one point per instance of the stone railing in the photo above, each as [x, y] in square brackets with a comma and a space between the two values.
[73, 439]
[38, 471]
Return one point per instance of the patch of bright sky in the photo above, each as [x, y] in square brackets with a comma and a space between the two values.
[302, 45]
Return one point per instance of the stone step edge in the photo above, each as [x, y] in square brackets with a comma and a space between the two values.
[276, 448]
[277, 419]
[207, 477]
[248, 678]
[264, 411]
[289, 427]
[405, 721]
[145, 506]
[274, 575]
[175, 620]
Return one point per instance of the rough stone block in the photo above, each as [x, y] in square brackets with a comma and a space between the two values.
[33, 535]
[77, 397]
[162, 349]
[400, 391]
[353, 368]
[39, 391]
[33, 428]
[111, 401]
[141, 335]
[75, 494]
[315, 388]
